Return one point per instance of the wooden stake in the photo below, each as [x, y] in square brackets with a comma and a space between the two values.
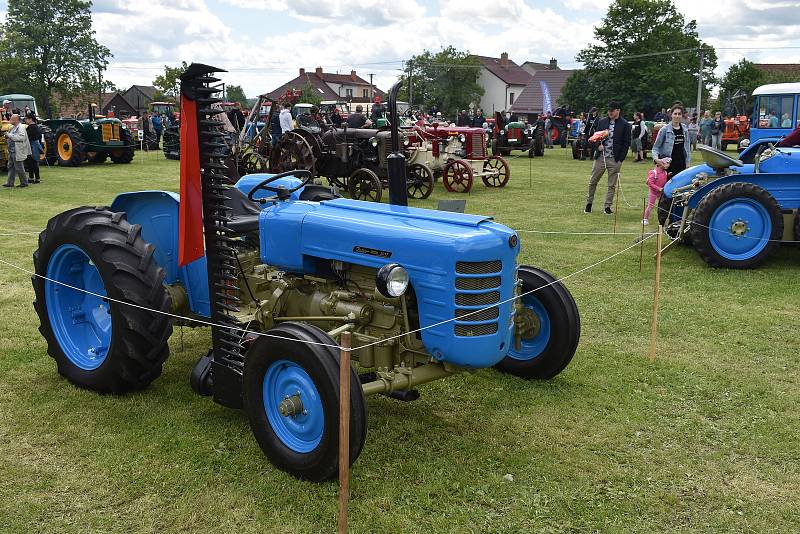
[654, 332]
[344, 430]
[641, 238]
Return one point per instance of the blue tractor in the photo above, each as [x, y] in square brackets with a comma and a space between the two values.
[736, 211]
[282, 268]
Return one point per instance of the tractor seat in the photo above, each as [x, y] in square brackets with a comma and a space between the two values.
[244, 212]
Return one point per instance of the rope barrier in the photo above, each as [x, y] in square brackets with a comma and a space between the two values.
[245, 331]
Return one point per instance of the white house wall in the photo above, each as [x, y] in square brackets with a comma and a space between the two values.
[495, 97]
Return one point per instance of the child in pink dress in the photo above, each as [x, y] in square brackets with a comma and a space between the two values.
[656, 179]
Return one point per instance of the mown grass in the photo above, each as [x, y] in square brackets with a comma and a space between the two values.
[703, 440]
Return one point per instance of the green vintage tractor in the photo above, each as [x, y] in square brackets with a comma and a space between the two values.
[72, 141]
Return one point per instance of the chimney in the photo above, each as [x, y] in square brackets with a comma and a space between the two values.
[353, 75]
[302, 71]
[504, 59]
[553, 63]
[318, 71]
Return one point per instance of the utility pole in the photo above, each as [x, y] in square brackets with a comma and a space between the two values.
[410, 86]
[700, 83]
[371, 87]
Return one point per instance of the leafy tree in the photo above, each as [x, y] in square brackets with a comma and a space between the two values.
[447, 79]
[574, 93]
[236, 94]
[50, 46]
[169, 83]
[623, 66]
[310, 94]
[743, 77]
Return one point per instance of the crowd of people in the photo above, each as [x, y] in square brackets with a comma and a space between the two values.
[24, 144]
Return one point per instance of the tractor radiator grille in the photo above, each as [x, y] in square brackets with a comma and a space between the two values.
[469, 330]
[478, 146]
[469, 305]
[110, 132]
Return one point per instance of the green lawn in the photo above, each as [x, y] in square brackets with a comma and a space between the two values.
[704, 440]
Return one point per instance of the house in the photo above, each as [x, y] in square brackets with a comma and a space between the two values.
[502, 81]
[78, 106]
[541, 93]
[139, 97]
[330, 86]
[122, 108]
[781, 69]
[532, 67]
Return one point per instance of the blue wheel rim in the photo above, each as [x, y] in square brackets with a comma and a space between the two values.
[301, 432]
[740, 229]
[81, 322]
[532, 348]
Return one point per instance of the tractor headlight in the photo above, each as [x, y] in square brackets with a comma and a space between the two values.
[373, 141]
[392, 280]
[406, 141]
[503, 131]
[462, 138]
[95, 126]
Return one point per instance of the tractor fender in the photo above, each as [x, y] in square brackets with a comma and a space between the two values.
[784, 187]
[157, 213]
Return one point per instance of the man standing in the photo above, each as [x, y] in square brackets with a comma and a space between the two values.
[157, 127]
[6, 110]
[661, 116]
[705, 128]
[286, 117]
[609, 155]
[18, 151]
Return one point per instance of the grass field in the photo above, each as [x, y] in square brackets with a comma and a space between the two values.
[704, 440]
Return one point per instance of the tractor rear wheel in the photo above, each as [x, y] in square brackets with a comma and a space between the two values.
[420, 181]
[538, 146]
[498, 165]
[548, 329]
[70, 146]
[124, 154]
[365, 185]
[291, 396]
[457, 176]
[172, 142]
[95, 283]
[737, 225]
[48, 155]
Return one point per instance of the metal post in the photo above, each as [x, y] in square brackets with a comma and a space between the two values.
[410, 85]
[700, 82]
[396, 161]
[344, 430]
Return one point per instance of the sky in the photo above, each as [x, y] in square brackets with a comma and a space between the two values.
[263, 43]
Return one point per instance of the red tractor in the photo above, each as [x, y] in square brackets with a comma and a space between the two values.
[459, 155]
[736, 130]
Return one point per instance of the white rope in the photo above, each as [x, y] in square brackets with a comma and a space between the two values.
[246, 331]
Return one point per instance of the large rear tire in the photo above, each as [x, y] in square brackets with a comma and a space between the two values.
[69, 146]
[86, 257]
[124, 154]
[737, 225]
[48, 155]
[300, 437]
[551, 328]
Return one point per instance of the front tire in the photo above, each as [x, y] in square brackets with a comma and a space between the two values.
[550, 324]
[99, 344]
[70, 146]
[737, 225]
[124, 154]
[304, 441]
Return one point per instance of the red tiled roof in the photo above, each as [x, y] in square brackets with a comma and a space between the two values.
[531, 99]
[510, 73]
[319, 83]
[782, 68]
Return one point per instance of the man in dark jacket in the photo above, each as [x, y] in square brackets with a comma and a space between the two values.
[610, 154]
[478, 119]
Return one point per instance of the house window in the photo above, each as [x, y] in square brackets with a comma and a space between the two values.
[366, 93]
[348, 93]
[510, 99]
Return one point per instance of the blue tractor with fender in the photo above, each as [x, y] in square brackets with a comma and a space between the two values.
[279, 268]
[736, 212]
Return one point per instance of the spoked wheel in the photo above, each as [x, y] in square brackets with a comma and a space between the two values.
[737, 225]
[420, 181]
[254, 163]
[365, 185]
[292, 153]
[291, 396]
[498, 167]
[457, 176]
[547, 329]
[86, 257]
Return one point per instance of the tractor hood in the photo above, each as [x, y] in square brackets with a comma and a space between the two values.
[440, 250]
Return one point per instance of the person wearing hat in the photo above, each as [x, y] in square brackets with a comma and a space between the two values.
[35, 140]
[610, 154]
[18, 151]
[7, 110]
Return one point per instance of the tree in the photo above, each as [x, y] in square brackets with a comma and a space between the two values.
[742, 77]
[236, 94]
[169, 83]
[447, 79]
[310, 95]
[625, 67]
[51, 46]
[574, 94]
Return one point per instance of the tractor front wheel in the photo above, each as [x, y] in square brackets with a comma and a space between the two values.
[365, 185]
[48, 156]
[125, 153]
[70, 147]
[500, 172]
[291, 397]
[737, 225]
[547, 329]
[96, 283]
[457, 176]
[420, 181]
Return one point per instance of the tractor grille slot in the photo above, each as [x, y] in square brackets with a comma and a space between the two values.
[478, 146]
[479, 267]
[475, 284]
[110, 132]
[477, 315]
[470, 330]
[477, 299]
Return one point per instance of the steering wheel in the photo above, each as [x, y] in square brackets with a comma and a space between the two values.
[282, 192]
[759, 151]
